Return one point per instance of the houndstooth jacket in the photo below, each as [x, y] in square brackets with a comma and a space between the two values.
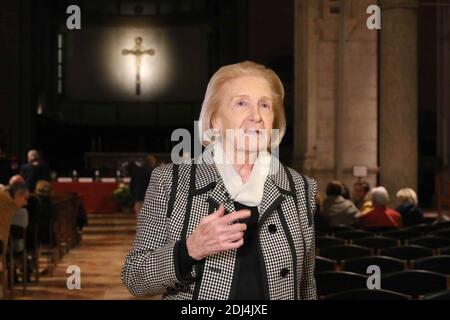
[179, 196]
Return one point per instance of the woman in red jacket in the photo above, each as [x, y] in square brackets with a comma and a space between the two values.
[381, 215]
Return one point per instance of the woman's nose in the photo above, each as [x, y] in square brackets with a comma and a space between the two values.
[256, 115]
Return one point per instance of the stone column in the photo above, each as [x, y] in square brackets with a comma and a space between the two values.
[398, 95]
[305, 86]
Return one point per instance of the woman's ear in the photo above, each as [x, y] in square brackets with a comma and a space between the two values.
[215, 124]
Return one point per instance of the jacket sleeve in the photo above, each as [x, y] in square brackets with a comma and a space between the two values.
[308, 289]
[151, 265]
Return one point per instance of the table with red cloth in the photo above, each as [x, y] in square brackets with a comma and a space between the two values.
[97, 197]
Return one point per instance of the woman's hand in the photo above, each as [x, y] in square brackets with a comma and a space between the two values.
[216, 233]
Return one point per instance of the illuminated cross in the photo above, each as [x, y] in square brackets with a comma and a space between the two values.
[138, 52]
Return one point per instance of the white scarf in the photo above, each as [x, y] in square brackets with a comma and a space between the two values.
[251, 192]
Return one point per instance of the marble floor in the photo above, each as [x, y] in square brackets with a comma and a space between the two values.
[100, 256]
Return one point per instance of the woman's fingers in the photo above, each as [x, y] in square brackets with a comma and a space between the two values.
[235, 236]
[237, 215]
[237, 227]
[235, 244]
[216, 214]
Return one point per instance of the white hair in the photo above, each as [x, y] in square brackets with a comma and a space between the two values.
[407, 195]
[33, 155]
[379, 196]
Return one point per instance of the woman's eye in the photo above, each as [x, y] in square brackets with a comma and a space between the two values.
[241, 103]
[265, 105]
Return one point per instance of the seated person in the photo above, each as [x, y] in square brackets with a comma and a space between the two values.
[336, 209]
[408, 208]
[45, 212]
[381, 216]
[19, 193]
[36, 169]
[361, 197]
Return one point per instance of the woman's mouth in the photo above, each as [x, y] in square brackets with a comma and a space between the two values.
[253, 132]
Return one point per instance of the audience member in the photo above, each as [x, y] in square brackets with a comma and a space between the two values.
[411, 213]
[381, 216]
[361, 197]
[140, 180]
[19, 193]
[337, 210]
[36, 169]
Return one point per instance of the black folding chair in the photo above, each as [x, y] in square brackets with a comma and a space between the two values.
[325, 264]
[424, 228]
[445, 251]
[432, 242]
[327, 241]
[377, 242]
[429, 220]
[379, 230]
[344, 252]
[367, 294]
[440, 264]
[442, 233]
[402, 234]
[329, 282]
[353, 234]
[386, 264]
[442, 225]
[414, 282]
[339, 228]
[19, 233]
[442, 295]
[410, 252]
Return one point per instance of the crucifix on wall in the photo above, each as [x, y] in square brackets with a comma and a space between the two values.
[138, 51]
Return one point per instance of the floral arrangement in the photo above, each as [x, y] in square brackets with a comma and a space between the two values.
[122, 195]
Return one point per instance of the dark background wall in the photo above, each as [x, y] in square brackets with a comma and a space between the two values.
[64, 127]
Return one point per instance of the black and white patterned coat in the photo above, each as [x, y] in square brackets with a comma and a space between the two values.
[286, 235]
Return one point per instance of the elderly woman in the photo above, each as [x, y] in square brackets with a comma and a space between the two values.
[235, 223]
[381, 216]
[409, 208]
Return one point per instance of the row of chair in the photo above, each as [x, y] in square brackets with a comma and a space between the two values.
[404, 232]
[381, 294]
[63, 235]
[412, 283]
[400, 234]
[381, 242]
[440, 264]
[405, 252]
[414, 262]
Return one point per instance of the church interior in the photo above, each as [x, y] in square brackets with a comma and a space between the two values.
[94, 89]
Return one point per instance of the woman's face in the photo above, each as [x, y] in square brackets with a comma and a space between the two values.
[246, 109]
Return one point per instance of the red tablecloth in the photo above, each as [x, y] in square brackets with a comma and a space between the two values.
[96, 196]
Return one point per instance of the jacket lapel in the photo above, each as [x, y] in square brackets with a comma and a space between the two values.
[275, 189]
[208, 178]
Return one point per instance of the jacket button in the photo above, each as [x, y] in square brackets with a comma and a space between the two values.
[284, 272]
[272, 228]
